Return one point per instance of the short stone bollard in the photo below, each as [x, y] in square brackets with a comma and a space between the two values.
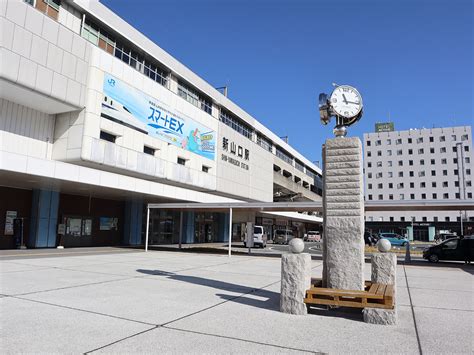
[295, 278]
[384, 271]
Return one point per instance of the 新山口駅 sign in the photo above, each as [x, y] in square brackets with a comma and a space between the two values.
[384, 127]
[135, 109]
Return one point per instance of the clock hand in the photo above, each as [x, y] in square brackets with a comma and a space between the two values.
[345, 100]
[351, 102]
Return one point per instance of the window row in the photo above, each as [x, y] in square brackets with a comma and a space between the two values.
[420, 151]
[443, 161]
[418, 140]
[422, 185]
[423, 196]
[422, 173]
[423, 219]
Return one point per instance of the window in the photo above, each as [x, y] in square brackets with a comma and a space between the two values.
[391, 219]
[433, 172]
[456, 184]
[389, 163]
[410, 162]
[181, 161]
[432, 150]
[451, 244]
[433, 184]
[433, 162]
[368, 143]
[456, 172]
[446, 196]
[389, 141]
[423, 196]
[400, 174]
[369, 175]
[421, 151]
[412, 185]
[434, 196]
[468, 171]
[236, 124]
[412, 196]
[468, 183]
[455, 160]
[442, 138]
[389, 153]
[369, 154]
[378, 142]
[280, 153]
[444, 161]
[379, 164]
[466, 148]
[400, 185]
[205, 169]
[264, 142]
[369, 186]
[422, 162]
[456, 195]
[402, 219]
[400, 163]
[422, 185]
[453, 137]
[435, 219]
[370, 197]
[467, 160]
[464, 137]
[379, 153]
[402, 197]
[469, 195]
[455, 149]
[380, 197]
[369, 164]
[431, 139]
[148, 150]
[412, 173]
[194, 97]
[410, 151]
[399, 152]
[107, 137]
[419, 140]
[424, 219]
[380, 186]
[445, 173]
[390, 185]
[390, 174]
[446, 219]
[421, 173]
[445, 184]
[390, 197]
[399, 141]
[410, 140]
[379, 175]
[442, 150]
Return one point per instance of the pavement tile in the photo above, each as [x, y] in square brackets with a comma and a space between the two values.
[443, 299]
[48, 279]
[31, 327]
[8, 266]
[180, 342]
[445, 331]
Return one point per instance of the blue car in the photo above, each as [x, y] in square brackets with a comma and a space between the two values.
[395, 239]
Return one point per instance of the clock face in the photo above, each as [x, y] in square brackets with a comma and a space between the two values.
[346, 101]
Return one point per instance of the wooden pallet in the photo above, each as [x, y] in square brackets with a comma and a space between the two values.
[375, 296]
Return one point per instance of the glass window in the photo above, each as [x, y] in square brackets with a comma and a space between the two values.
[451, 244]
[399, 141]
[442, 150]
[464, 137]
[421, 151]
[410, 151]
[442, 138]
[390, 185]
[453, 137]
[410, 140]
[240, 126]
[419, 140]
[422, 162]
[181, 161]
[431, 139]
[434, 196]
[368, 143]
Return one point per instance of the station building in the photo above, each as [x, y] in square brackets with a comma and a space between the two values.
[96, 121]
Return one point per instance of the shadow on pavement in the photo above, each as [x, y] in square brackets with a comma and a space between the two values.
[250, 296]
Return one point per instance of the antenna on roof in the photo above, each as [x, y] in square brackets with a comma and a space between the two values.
[223, 90]
[285, 139]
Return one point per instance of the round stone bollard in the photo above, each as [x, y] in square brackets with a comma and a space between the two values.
[295, 279]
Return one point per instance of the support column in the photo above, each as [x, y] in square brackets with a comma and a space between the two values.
[132, 234]
[188, 227]
[343, 204]
[44, 219]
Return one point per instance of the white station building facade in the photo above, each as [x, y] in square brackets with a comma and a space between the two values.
[96, 121]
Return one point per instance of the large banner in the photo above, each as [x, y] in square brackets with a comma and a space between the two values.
[134, 108]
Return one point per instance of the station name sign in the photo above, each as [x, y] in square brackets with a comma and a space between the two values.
[236, 154]
[384, 127]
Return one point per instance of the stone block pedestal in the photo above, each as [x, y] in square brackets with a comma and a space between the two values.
[384, 271]
[295, 280]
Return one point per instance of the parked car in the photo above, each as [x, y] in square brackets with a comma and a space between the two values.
[460, 249]
[395, 239]
[259, 237]
[282, 236]
[441, 237]
[312, 236]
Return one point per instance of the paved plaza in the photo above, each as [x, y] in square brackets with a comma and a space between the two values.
[128, 301]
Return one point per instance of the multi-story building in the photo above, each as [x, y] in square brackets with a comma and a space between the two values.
[96, 121]
[429, 164]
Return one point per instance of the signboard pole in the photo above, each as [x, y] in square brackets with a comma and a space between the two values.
[147, 227]
[230, 232]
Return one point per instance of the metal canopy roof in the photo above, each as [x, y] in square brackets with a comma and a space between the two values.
[370, 206]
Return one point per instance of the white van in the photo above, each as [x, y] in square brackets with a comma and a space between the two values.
[259, 237]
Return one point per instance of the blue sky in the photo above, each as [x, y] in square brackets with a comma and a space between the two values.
[412, 61]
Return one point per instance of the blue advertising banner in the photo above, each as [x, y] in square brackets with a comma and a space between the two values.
[134, 108]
